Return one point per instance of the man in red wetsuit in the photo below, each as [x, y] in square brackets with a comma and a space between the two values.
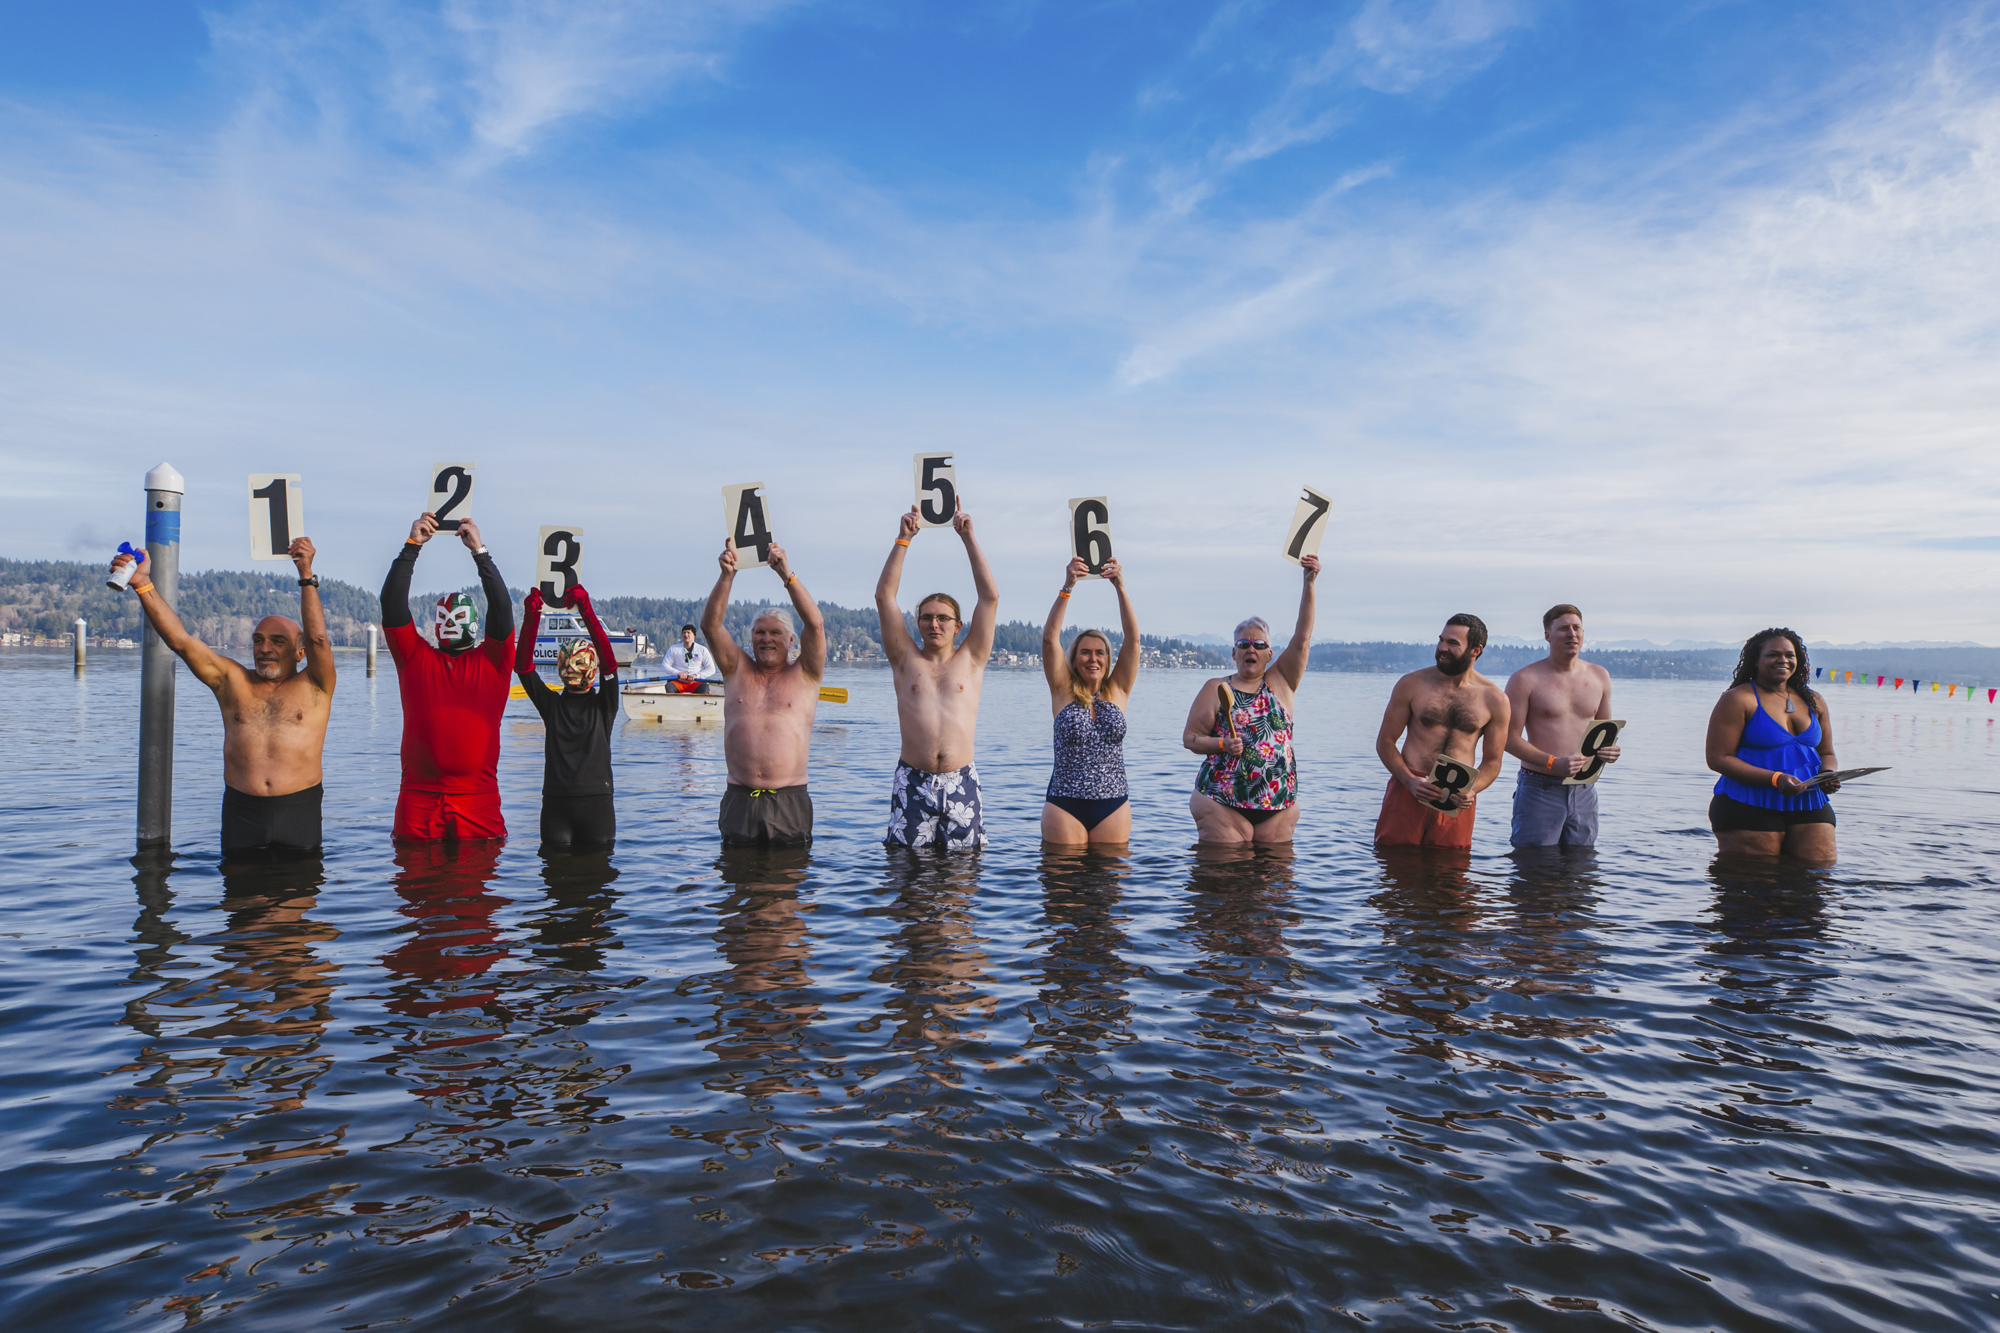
[453, 697]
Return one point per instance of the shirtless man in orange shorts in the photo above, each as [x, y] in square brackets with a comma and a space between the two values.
[1444, 709]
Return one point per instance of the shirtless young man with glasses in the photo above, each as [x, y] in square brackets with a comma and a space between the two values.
[934, 801]
[1248, 786]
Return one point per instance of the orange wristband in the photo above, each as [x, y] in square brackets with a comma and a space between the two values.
[902, 541]
[1064, 594]
[142, 587]
[1552, 763]
[1774, 779]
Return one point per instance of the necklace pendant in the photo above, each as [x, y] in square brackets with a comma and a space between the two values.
[1789, 708]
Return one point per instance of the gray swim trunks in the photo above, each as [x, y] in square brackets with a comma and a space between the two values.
[1548, 814]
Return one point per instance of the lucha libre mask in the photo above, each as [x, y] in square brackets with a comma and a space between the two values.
[456, 621]
[576, 663]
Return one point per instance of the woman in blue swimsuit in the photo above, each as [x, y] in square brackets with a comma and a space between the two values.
[1768, 736]
[1087, 801]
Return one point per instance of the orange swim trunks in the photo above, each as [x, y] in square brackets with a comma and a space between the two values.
[430, 816]
[1406, 821]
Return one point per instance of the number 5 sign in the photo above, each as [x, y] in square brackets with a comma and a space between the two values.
[749, 520]
[556, 554]
[1308, 526]
[1090, 532]
[937, 490]
[277, 514]
[451, 494]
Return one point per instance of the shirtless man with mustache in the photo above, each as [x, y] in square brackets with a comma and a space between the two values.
[1444, 709]
[273, 715]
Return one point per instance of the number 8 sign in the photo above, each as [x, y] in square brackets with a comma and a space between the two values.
[277, 514]
[556, 553]
[1308, 526]
[1454, 777]
[1090, 532]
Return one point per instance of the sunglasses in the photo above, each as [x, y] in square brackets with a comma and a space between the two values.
[1259, 644]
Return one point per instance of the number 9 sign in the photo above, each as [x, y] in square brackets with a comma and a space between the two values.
[1090, 532]
[937, 490]
[556, 554]
[1308, 526]
[1603, 732]
[1454, 777]
[277, 514]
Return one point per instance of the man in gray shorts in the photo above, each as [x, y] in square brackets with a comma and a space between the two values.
[1552, 704]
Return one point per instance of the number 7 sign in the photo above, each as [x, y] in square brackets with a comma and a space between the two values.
[1308, 526]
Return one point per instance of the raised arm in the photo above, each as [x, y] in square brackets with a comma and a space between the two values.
[812, 625]
[531, 626]
[499, 602]
[720, 646]
[579, 601]
[1290, 665]
[312, 619]
[1055, 665]
[1125, 673]
[896, 644]
[209, 667]
[986, 610]
[396, 588]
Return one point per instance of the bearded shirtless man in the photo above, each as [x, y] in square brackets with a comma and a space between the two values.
[935, 799]
[1551, 704]
[1444, 709]
[768, 702]
[273, 715]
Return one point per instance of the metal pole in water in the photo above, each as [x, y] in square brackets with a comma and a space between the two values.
[164, 487]
[81, 629]
[372, 636]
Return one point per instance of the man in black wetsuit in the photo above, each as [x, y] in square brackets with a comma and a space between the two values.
[576, 768]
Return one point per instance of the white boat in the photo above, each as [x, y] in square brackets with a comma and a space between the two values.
[659, 701]
[558, 625]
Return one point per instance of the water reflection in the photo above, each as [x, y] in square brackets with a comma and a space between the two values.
[575, 928]
[764, 1009]
[452, 940]
[938, 961]
[1085, 1007]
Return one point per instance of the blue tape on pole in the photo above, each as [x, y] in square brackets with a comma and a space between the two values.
[163, 525]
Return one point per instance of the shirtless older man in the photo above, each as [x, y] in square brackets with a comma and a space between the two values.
[768, 702]
[1444, 709]
[1551, 704]
[273, 715]
[935, 799]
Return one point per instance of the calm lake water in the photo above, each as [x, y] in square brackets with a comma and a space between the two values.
[667, 1089]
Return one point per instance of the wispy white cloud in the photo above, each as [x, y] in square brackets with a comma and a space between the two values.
[1399, 46]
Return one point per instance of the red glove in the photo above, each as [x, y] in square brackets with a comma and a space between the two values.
[531, 622]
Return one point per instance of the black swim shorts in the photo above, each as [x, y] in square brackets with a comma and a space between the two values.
[1726, 814]
[285, 825]
[766, 816]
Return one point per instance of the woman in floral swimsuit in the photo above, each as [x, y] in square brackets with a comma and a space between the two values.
[1248, 786]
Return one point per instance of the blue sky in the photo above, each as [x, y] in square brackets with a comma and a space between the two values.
[1682, 312]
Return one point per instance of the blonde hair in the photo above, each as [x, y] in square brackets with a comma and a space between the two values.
[1077, 690]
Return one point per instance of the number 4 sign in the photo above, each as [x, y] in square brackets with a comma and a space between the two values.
[1090, 532]
[1308, 526]
[451, 494]
[749, 523]
[277, 514]
[556, 554]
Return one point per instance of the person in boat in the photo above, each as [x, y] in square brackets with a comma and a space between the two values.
[454, 695]
[1768, 737]
[577, 720]
[1248, 787]
[768, 702]
[1551, 706]
[274, 715]
[691, 664]
[1446, 709]
[1087, 800]
[934, 797]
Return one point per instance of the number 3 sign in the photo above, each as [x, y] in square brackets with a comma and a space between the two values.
[556, 554]
[451, 494]
[1308, 526]
[277, 514]
[937, 490]
[1090, 532]
[749, 520]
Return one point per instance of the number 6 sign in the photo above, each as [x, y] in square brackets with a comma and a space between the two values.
[277, 514]
[1602, 732]
[451, 494]
[937, 490]
[1308, 526]
[749, 521]
[1090, 532]
[556, 553]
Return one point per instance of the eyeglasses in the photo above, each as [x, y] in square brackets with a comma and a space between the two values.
[1260, 645]
[941, 620]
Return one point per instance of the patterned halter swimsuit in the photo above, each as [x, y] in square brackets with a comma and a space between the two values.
[1265, 777]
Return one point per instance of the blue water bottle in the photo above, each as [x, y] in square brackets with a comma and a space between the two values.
[119, 578]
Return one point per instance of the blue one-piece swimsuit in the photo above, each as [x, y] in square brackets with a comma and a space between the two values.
[1089, 778]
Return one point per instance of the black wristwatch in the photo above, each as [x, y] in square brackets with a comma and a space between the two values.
[312, 582]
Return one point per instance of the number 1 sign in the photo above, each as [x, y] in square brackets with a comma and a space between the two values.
[277, 514]
[451, 494]
[749, 523]
[1090, 532]
[556, 553]
[1308, 526]
[937, 490]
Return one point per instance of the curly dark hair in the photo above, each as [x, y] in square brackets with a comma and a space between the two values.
[1753, 648]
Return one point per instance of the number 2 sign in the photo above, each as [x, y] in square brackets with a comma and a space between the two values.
[556, 553]
[451, 494]
[277, 514]
[749, 523]
[1090, 532]
[1308, 526]
[937, 490]
[1602, 732]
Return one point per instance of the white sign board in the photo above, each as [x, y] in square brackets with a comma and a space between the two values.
[937, 490]
[451, 494]
[1603, 732]
[1308, 526]
[1090, 532]
[748, 516]
[557, 551]
[277, 514]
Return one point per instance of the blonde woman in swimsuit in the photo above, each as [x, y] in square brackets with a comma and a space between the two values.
[1087, 801]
